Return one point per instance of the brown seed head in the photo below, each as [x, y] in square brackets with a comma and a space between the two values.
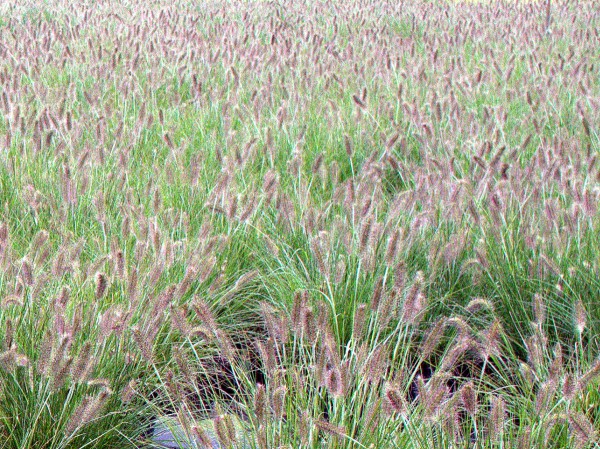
[330, 428]
[395, 399]
[83, 365]
[260, 404]
[205, 314]
[468, 396]
[582, 429]
[544, 396]
[27, 272]
[580, 316]
[539, 309]
[278, 400]
[129, 391]
[360, 317]
[497, 417]
[201, 436]
[101, 285]
[432, 338]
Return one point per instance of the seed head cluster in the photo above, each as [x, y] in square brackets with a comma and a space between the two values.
[311, 224]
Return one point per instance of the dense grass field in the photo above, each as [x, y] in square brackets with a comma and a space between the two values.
[308, 224]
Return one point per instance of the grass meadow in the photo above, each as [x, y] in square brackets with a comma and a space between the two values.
[313, 224]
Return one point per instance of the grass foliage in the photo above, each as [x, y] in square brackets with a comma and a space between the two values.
[344, 224]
